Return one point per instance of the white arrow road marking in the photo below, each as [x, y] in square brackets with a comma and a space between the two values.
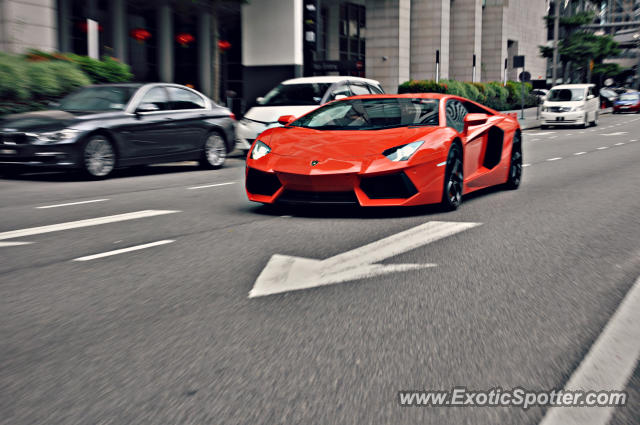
[3, 244]
[618, 133]
[82, 223]
[284, 273]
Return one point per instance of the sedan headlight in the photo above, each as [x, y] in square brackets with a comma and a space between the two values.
[404, 152]
[259, 150]
[54, 136]
[578, 108]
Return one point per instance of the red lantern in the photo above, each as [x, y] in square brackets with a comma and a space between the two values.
[224, 45]
[184, 38]
[140, 34]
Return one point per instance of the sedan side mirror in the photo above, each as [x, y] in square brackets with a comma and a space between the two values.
[286, 119]
[259, 100]
[590, 97]
[340, 96]
[147, 107]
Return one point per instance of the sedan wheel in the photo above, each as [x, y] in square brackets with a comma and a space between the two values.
[453, 180]
[215, 152]
[99, 157]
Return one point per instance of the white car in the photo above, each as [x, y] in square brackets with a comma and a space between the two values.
[570, 104]
[297, 97]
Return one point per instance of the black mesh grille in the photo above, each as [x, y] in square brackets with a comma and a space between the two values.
[261, 183]
[389, 186]
[296, 196]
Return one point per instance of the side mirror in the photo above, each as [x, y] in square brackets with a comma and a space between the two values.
[147, 107]
[286, 119]
[475, 119]
[259, 100]
[590, 97]
[339, 96]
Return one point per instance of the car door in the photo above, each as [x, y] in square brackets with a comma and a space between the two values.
[592, 101]
[188, 111]
[149, 131]
[455, 113]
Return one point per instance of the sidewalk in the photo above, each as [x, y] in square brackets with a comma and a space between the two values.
[531, 119]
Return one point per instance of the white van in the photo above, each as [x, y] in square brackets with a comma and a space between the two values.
[297, 97]
[570, 104]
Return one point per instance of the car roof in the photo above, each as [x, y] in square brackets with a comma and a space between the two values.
[328, 79]
[573, 86]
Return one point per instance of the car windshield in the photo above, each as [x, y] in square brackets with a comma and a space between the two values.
[630, 96]
[295, 94]
[372, 114]
[565, 95]
[100, 98]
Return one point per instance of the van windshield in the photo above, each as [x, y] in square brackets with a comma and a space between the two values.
[565, 95]
[295, 94]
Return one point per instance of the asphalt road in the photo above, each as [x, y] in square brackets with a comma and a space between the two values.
[167, 334]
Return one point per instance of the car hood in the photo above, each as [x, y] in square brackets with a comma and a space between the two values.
[342, 144]
[51, 120]
[270, 114]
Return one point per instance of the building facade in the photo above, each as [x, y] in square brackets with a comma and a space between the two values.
[267, 41]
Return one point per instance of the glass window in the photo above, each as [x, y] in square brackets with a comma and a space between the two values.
[296, 94]
[184, 99]
[565, 95]
[358, 89]
[376, 89]
[342, 90]
[456, 112]
[372, 114]
[101, 98]
[158, 97]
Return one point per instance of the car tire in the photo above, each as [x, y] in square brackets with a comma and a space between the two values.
[453, 180]
[214, 152]
[543, 127]
[11, 171]
[99, 157]
[515, 165]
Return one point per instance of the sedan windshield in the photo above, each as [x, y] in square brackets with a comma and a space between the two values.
[295, 94]
[372, 114]
[630, 96]
[565, 95]
[99, 98]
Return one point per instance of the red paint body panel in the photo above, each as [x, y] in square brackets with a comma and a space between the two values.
[342, 158]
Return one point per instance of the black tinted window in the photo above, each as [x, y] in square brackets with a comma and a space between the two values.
[184, 99]
[455, 114]
[99, 98]
[295, 94]
[156, 96]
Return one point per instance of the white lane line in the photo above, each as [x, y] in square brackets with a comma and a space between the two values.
[633, 140]
[71, 203]
[579, 153]
[526, 165]
[210, 185]
[545, 133]
[618, 144]
[607, 366]
[3, 244]
[617, 133]
[123, 250]
[82, 223]
[602, 148]
[554, 159]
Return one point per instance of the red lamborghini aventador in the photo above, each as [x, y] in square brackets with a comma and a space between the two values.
[386, 150]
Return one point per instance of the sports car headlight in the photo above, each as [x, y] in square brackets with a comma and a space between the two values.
[54, 136]
[259, 150]
[404, 152]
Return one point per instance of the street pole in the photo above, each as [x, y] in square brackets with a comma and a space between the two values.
[473, 75]
[437, 66]
[522, 82]
[556, 30]
[506, 63]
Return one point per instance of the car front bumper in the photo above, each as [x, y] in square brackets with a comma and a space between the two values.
[372, 182]
[626, 108]
[563, 118]
[57, 155]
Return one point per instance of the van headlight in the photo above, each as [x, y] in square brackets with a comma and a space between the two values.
[578, 108]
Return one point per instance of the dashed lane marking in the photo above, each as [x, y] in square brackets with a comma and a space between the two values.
[123, 250]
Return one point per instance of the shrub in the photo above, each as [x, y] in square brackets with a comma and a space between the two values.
[108, 70]
[422, 86]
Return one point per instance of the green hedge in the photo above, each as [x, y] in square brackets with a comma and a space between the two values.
[30, 82]
[493, 94]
